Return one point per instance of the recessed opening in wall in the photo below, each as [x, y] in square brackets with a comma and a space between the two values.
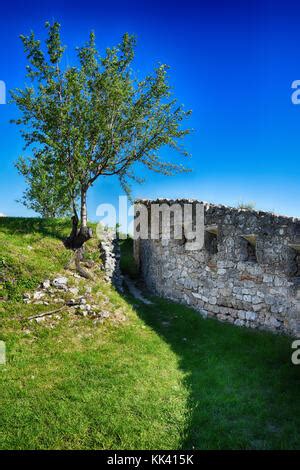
[248, 248]
[295, 268]
[211, 239]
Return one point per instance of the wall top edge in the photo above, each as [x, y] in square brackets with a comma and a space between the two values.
[208, 205]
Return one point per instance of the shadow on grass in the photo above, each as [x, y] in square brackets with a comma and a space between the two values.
[243, 388]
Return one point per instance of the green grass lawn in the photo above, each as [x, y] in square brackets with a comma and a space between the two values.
[163, 379]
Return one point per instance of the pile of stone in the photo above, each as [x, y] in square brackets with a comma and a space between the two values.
[49, 291]
[58, 292]
[110, 256]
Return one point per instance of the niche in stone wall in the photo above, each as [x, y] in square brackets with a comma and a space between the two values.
[294, 269]
[211, 239]
[248, 248]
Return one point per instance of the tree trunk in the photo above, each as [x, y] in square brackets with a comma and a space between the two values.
[83, 211]
[79, 236]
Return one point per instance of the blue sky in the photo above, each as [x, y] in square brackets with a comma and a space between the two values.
[231, 62]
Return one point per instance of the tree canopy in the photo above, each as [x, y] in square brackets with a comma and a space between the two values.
[92, 119]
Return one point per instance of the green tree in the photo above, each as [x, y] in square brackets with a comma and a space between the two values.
[90, 120]
[47, 192]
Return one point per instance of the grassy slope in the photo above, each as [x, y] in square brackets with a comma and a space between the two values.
[164, 379]
[30, 249]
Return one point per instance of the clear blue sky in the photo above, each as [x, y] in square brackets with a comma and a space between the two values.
[232, 63]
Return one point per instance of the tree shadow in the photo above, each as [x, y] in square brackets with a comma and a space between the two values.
[243, 388]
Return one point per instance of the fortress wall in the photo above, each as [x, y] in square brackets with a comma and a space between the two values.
[247, 273]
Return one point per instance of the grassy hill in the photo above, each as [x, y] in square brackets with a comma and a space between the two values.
[162, 379]
[30, 250]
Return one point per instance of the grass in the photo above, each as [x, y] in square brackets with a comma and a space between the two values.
[127, 263]
[30, 249]
[163, 379]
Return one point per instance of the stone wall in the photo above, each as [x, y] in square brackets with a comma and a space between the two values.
[110, 257]
[247, 273]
